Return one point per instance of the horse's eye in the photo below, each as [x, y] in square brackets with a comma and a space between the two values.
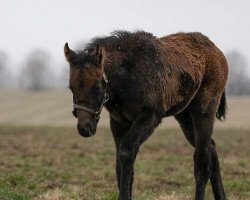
[98, 88]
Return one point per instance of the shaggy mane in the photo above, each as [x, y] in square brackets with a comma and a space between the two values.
[121, 39]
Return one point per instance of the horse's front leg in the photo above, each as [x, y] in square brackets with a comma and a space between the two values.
[119, 129]
[140, 130]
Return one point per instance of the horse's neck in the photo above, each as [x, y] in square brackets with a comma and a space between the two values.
[113, 61]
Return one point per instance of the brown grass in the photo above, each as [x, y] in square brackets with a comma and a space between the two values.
[56, 163]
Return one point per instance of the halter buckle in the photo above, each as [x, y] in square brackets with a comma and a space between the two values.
[106, 98]
[105, 78]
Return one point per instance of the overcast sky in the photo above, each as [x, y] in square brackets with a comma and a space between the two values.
[48, 24]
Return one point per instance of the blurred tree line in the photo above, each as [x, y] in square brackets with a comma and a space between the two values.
[238, 80]
[36, 73]
[5, 75]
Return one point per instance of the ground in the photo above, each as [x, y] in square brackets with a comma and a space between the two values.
[56, 163]
[43, 157]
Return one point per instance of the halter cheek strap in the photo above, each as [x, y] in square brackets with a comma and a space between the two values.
[104, 100]
[90, 111]
[96, 113]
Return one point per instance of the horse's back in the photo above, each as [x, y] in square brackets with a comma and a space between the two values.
[199, 52]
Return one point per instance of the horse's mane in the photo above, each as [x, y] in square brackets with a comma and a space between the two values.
[120, 40]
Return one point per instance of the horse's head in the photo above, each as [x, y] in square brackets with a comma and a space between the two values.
[88, 84]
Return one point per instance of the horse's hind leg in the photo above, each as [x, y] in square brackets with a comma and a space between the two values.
[206, 164]
[215, 178]
[202, 155]
[186, 124]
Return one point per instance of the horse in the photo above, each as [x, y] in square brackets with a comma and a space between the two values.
[141, 79]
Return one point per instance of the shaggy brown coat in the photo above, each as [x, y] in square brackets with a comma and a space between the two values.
[181, 75]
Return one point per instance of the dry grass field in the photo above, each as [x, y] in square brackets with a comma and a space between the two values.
[42, 157]
[48, 163]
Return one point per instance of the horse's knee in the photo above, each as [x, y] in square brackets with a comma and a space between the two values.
[128, 152]
[124, 154]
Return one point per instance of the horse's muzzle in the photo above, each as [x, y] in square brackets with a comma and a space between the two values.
[86, 131]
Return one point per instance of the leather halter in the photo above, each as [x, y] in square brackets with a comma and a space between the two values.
[104, 100]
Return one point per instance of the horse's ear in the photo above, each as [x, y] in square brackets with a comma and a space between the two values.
[100, 55]
[69, 54]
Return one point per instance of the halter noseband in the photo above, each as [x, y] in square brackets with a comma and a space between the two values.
[104, 100]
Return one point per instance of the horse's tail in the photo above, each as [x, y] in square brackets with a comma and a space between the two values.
[222, 110]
